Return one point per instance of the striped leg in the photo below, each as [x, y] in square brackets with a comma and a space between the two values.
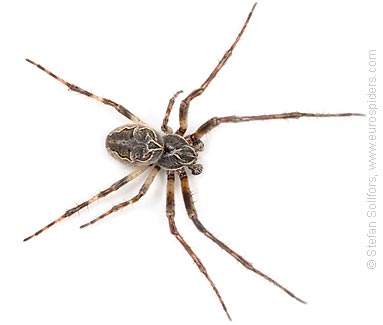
[187, 196]
[216, 121]
[170, 213]
[144, 188]
[112, 188]
[165, 128]
[184, 107]
[121, 109]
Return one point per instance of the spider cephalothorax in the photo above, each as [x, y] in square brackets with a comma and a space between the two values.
[177, 153]
[148, 149]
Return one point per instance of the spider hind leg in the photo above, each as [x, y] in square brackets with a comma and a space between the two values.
[119, 108]
[114, 187]
[144, 188]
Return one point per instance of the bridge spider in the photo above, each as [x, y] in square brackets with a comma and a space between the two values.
[148, 149]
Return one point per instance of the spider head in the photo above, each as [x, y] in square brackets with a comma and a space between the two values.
[177, 153]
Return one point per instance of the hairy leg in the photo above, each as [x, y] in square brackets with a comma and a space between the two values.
[216, 121]
[189, 205]
[165, 128]
[144, 188]
[121, 109]
[110, 189]
[170, 213]
[184, 107]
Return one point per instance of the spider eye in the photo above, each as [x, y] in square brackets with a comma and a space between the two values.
[135, 143]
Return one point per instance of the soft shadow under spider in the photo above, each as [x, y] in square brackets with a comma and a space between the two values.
[151, 150]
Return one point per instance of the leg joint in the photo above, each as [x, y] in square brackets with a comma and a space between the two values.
[199, 225]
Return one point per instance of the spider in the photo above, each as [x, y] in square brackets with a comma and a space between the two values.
[150, 150]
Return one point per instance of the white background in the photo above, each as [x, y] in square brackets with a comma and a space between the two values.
[287, 195]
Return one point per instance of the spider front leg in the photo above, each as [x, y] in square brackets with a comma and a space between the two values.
[110, 189]
[144, 188]
[119, 108]
[189, 205]
[216, 121]
[184, 107]
[165, 128]
[170, 213]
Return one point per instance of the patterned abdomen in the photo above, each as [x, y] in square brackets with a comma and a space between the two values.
[135, 143]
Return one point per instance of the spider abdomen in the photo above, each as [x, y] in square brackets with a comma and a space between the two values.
[134, 143]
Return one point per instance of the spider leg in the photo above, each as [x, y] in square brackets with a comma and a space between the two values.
[216, 121]
[165, 128]
[184, 107]
[189, 205]
[141, 193]
[110, 189]
[170, 213]
[121, 109]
